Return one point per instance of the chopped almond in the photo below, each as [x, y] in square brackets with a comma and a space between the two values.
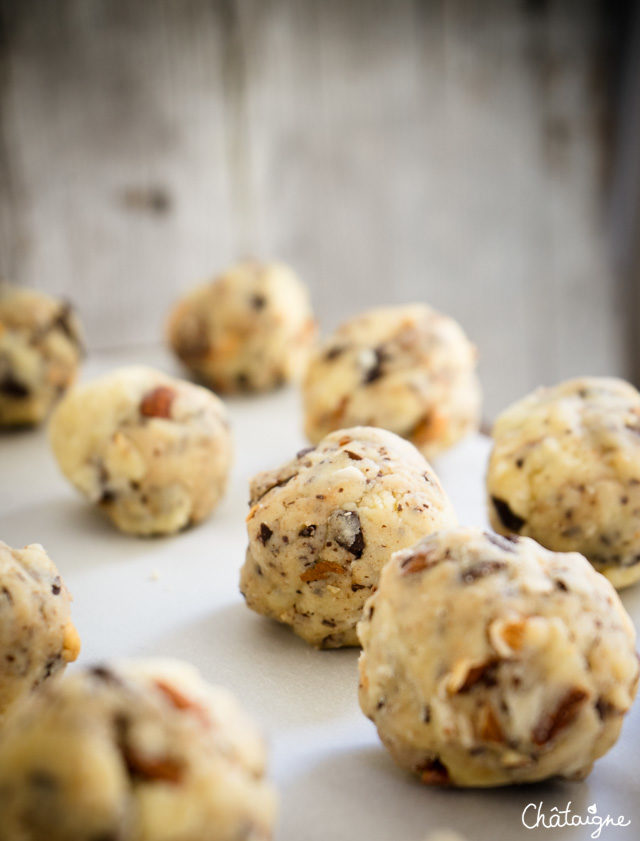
[157, 403]
[321, 570]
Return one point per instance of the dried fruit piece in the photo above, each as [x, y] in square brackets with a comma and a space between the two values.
[552, 723]
[157, 403]
[152, 768]
[489, 729]
[484, 673]
[182, 702]
[433, 772]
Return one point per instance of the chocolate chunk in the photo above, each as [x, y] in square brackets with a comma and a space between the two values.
[307, 531]
[606, 709]
[500, 540]
[333, 353]
[258, 302]
[42, 780]
[7, 594]
[10, 386]
[353, 456]
[480, 570]
[304, 451]
[426, 714]
[265, 533]
[375, 371]
[242, 380]
[50, 666]
[564, 714]
[63, 322]
[107, 497]
[509, 519]
[105, 674]
[56, 587]
[347, 531]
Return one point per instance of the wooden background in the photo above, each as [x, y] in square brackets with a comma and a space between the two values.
[462, 153]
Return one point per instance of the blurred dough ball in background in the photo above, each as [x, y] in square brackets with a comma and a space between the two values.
[138, 751]
[153, 452]
[322, 527]
[565, 470]
[248, 330]
[405, 368]
[37, 637]
[40, 352]
[489, 661]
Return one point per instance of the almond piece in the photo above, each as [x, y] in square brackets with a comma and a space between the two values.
[321, 570]
[157, 403]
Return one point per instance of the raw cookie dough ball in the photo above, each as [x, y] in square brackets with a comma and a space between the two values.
[487, 661]
[565, 470]
[152, 451]
[40, 350]
[37, 637]
[322, 527]
[248, 330]
[134, 752]
[408, 369]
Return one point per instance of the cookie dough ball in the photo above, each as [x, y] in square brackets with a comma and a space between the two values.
[489, 661]
[134, 751]
[565, 470]
[408, 369]
[37, 637]
[40, 351]
[322, 527]
[152, 451]
[248, 330]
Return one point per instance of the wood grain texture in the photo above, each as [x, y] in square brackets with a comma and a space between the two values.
[391, 151]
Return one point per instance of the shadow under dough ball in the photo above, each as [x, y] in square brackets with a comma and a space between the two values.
[488, 661]
[322, 526]
[408, 369]
[249, 329]
[565, 470]
[40, 352]
[37, 637]
[153, 452]
[134, 750]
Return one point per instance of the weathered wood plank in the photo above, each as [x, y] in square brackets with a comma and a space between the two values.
[441, 150]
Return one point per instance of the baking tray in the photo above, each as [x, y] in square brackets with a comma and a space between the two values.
[178, 597]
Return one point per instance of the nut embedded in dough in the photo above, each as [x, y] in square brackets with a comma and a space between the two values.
[153, 452]
[40, 352]
[565, 470]
[134, 750]
[322, 527]
[408, 369]
[250, 329]
[37, 637]
[489, 660]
